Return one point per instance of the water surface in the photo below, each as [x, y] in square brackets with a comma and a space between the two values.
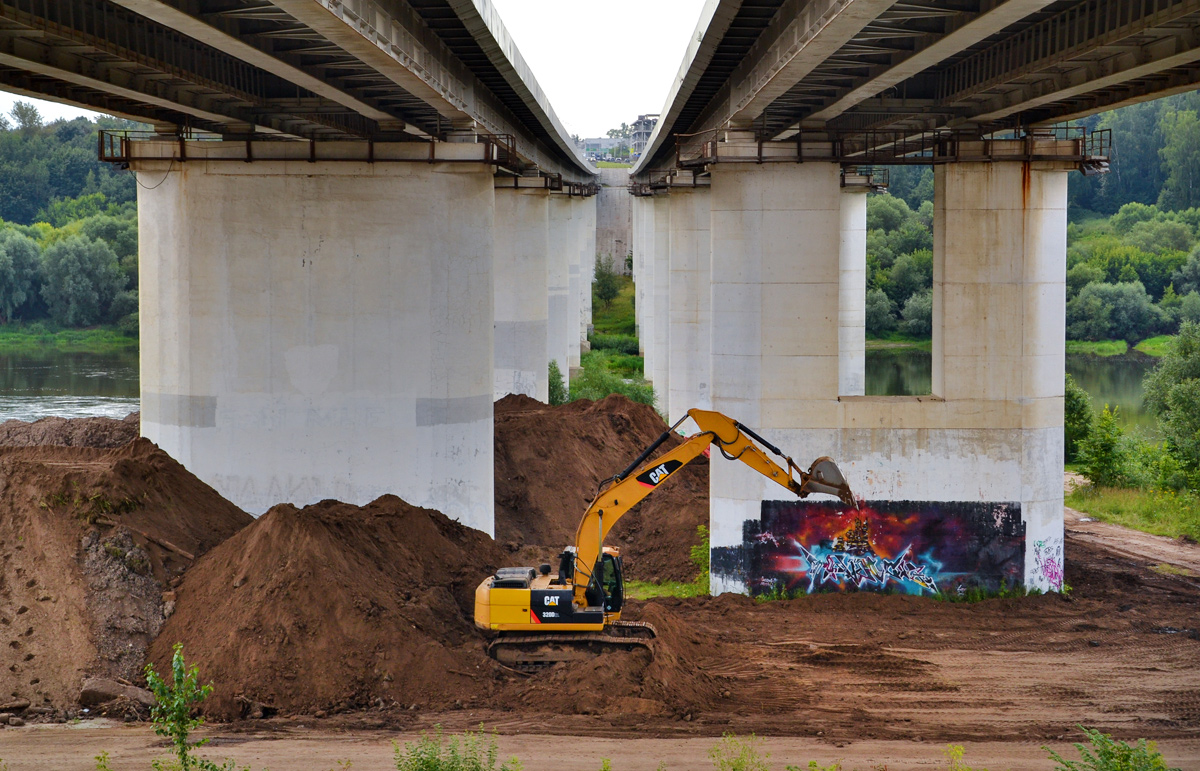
[68, 385]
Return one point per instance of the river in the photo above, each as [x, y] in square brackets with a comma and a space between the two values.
[1112, 380]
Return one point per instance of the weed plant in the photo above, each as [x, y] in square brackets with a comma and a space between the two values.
[1108, 754]
[739, 753]
[472, 751]
[596, 382]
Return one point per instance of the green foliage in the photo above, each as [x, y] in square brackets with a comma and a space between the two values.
[974, 594]
[1081, 275]
[1165, 512]
[1097, 347]
[81, 279]
[644, 590]
[737, 753]
[1103, 311]
[618, 318]
[954, 759]
[20, 274]
[886, 212]
[1155, 346]
[1107, 754]
[918, 314]
[558, 388]
[469, 752]
[1077, 418]
[700, 555]
[596, 381]
[1102, 454]
[620, 343]
[605, 284]
[1173, 395]
[1181, 158]
[910, 274]
[880, 310]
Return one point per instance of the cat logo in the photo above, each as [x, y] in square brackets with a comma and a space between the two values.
[550, 600]
[660, 472]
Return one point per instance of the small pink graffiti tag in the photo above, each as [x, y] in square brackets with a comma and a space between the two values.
[1047, 556]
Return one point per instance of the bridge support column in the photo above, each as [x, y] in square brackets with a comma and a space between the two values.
[979, 461]
[852, 293]
[522, 306]
[587, 265]
[320, 330]
[574, 248]
[638, 241]
[690, 258]
[660, 372]
[558, 283]
[645, 289]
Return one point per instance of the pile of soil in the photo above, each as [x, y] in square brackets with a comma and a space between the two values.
[549, 462]
[71, 432]
[89, 541]
[336, 607]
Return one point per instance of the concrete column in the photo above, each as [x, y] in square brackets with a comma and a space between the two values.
[661, 363]
[690, 260]
[574, 248]
[558, 282]
[320, 330]
[645, 288]
[588, 268]
[991, 433]
[852, 295]
[522, 305]
[638, 243]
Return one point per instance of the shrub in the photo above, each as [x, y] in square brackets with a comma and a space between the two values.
[1173, 395]
[880, 308]
[558, 389]
[1103, 453]
[700, 555]
[910, 274]
[81, 279]
[605, 283]
[627, 344]
[1107, 754]
[1077, 418]
[1103, 311]
[595, 382]
[469, 752]
[20, 273]
[918, 314]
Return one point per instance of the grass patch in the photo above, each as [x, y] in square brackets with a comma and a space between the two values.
[897, 341]
[613, 165]
[1172, 570]
[1159, 512]
[602, 375]
[1098, 347]
[1154, 346]
[617, 318]
[624, 365]
[644, 590]
[618, 343]
[32, 338]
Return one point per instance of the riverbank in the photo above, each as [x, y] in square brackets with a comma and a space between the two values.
[1152, 346]
[38, 337]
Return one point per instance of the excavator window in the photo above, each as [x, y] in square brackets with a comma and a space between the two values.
[613, 582]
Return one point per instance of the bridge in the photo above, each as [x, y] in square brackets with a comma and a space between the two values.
[361, 222]
[750, 242]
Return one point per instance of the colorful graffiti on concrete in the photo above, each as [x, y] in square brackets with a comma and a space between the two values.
[893, 546]
[1048, 563]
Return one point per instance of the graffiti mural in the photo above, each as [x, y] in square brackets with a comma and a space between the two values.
[1048, 564]
[906, 547]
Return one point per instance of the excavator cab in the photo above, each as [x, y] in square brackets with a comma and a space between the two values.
[608, 586]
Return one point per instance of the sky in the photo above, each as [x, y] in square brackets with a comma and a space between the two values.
[600, 62]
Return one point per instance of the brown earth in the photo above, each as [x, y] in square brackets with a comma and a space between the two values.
[71, 432]
[88, 538]
[550, 462]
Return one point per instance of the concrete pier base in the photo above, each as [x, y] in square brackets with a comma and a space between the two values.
[690, 259]
[522, 307]
[320, 330]
[988, 442]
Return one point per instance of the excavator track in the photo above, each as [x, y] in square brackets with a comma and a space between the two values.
[535, 652]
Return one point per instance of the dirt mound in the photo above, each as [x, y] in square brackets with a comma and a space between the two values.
[333, 607]
[71, 432]
[550, 460]
[88, 538]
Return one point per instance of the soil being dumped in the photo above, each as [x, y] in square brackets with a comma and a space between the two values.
[71, 432]
[550, 461]
[89, 541]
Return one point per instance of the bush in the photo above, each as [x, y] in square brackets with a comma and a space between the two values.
[918, 315]
[1173, 395]
[595, 382]
[469, 752]
[605, 284]
[558, 388]
[880, 308]
[700, 554]
[1103, 454]
[20, 273]
[1107, 311]
[910, 274]
[81, 279]
[129, 325]
[736, 753]
[1107, 754]
[627, 344]
[1077, 418]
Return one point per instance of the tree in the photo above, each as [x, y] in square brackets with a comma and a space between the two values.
[880, 310]
[1173, 395]
[1187, 278]
[81, 278]
[1181, 158]
[886, 212]
[605, 283]
[1077, 418]
[1081, 275]
[1102, 453]
[27, 116]
[1104, 311]
[1189, 308]
[1158, 236]
[910, 274]
[918, 314]
[19, 272]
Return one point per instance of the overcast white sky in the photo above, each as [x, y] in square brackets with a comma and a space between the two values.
[601, 62]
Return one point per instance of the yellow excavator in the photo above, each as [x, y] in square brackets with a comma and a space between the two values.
[540, 619]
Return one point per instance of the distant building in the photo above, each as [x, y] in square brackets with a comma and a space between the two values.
[601, 145]
[642, 128]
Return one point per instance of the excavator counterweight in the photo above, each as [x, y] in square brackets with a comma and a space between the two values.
[541, 619]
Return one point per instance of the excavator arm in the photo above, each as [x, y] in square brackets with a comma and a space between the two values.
[735, 441]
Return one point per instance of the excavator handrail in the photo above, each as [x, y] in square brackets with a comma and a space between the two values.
[625, 491]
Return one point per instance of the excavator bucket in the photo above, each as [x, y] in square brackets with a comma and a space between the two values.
[825, 477]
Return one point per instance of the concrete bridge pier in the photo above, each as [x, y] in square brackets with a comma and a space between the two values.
[573, 247]
[690, 368]
[990, 434]
[645, 288]
[522, 307]
[320, 329]
[638, 247]
[852, 289]
[587, 267]
[558, 283]
[659, 371]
